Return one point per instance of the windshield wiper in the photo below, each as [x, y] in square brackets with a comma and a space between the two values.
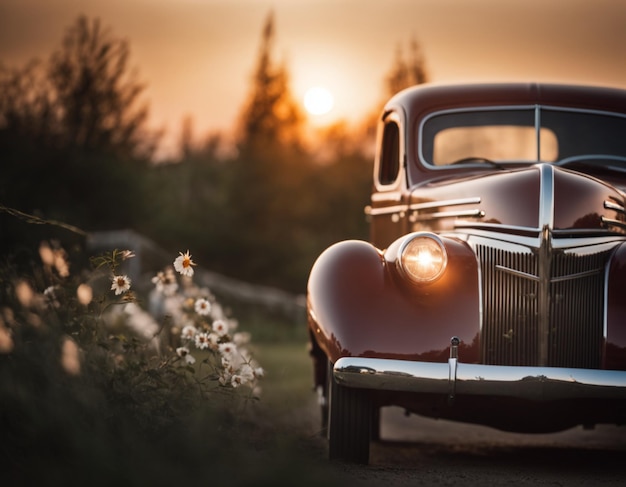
[476, 160]
[596, 161]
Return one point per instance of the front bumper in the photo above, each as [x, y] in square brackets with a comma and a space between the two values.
[454, 378]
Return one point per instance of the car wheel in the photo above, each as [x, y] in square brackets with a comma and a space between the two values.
[375, 432]
[349, 424]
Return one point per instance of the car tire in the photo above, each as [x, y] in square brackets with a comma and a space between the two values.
[349, 424]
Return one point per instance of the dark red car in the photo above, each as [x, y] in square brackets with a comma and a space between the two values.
[493, 287]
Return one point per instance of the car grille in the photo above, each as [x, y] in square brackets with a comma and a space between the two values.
[564, 328]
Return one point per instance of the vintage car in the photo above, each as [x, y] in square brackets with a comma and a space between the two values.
[493, 287]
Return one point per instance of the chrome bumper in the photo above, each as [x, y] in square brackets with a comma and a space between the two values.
[455, 378]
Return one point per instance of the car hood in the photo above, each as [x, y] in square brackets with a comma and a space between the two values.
[531, 199]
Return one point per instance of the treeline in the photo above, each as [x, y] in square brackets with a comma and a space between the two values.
[75, 148]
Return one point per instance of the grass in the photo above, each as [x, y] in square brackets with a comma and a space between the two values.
[130, 418]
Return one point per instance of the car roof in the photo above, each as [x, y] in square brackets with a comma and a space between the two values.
[431, 97]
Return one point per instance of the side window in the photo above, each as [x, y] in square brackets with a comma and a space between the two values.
[390, 154]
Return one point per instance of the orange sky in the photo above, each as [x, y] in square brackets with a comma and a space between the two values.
[196, 56]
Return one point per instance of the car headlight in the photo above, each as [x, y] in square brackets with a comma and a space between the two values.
[423, 258]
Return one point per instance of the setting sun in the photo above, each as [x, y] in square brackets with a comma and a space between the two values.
[318, 101]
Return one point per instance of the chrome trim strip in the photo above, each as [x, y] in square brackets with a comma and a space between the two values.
[582, 245]
[517, 273]
[613, 222]
[531, 277]
[545, 258]
[448, 214]
[534, 383]
[437, 204]
[496, 228]
[538, 130]
[579, 275]
[610, 205]
[546, 196]
[387, 210]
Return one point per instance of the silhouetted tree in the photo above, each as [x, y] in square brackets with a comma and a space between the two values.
[26, 105]
[271, 114]
[68, 128]
[97, 96]
[405, 73]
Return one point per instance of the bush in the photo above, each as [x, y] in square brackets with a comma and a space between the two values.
[96, 389]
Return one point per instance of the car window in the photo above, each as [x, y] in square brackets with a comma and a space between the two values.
[390, 154]
[586, 134]
[492, 142]
[522, 134]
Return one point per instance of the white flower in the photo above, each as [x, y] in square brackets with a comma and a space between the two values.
[227, 349]
[259, 372]
[237, 380]
[203, 341]
[189, 332]
[165, 282]
[246, 372]
[183, 264]
[227, 365]
[202, 307]
[220, 327]
[127, 254]
[120, 284]
[241, 338]
[183, 352]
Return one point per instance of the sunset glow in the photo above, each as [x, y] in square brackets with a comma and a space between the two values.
[196, 57]
[318, 101]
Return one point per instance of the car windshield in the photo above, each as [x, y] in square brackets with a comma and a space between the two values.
[529, 134]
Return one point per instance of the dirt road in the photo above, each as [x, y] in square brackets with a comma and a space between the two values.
[418, 451]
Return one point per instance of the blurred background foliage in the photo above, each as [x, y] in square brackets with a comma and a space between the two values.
[75, 147]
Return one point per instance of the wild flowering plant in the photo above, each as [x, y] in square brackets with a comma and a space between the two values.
[200, 327]
[93, 368]
[188, 321]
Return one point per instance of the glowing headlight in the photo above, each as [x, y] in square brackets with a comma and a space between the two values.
[423, 258]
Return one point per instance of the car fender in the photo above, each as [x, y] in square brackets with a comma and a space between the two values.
[360, 305]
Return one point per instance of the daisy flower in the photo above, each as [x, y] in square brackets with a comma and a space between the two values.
[227, 349]
[183, 352]
[202, 341]
[246, 372]
[202, 307]
[189, 332]
[220, 327]
[120, 284]
[165, 282]
[237, 380]
[183, 264]
[127, 254]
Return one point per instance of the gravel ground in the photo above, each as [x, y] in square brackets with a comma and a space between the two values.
[418, 451]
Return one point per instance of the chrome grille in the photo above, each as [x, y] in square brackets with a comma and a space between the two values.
[512, 326]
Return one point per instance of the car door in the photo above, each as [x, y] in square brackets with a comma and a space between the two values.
[388, 208]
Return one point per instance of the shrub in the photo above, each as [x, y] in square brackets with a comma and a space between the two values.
[100, 384]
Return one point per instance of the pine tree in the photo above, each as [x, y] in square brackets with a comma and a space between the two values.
[405, 73]
[271, 116]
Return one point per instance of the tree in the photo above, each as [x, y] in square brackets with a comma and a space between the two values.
[97, 98]
[406, 73]
[271, 114]
[69, 127]
[26, 105]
